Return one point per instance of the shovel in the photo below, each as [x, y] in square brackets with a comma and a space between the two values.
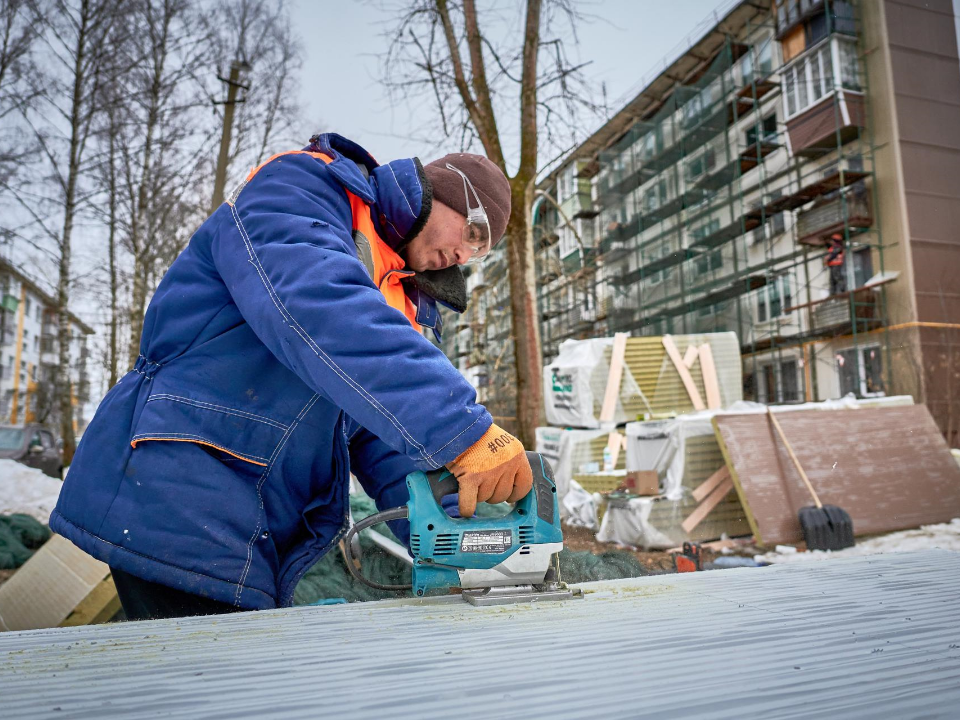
[825, 527]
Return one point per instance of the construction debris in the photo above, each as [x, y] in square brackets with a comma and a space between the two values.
[59, 586]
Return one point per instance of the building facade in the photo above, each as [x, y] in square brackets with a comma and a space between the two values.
[29, 354]
[790, 177]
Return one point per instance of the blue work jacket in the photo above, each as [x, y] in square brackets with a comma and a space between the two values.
[271, 367]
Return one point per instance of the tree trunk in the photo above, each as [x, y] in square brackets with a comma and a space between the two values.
[64, 385]
[523, 312]
[137, 303]
[112, 249]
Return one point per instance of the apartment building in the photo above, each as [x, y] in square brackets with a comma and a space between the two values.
[717, 197]
[29, 354]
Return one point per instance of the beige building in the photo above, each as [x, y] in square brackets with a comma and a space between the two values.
[29, 352]
[715, 199]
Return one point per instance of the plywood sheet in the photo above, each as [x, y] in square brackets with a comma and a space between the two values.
[890, 468]
[58, 583]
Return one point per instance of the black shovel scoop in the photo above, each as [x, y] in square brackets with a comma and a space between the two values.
[825, 527]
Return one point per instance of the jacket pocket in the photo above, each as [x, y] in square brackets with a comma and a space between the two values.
[244, 435]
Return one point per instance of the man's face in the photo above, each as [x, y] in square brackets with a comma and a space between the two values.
[439, 244]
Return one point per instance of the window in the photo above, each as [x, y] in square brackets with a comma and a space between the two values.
[702, 163]
[775, 299]
[849, 66]
[862, 267]
[655, 196]
[708, 262]
[565, 182]
[811, 78]
[779, 382]
[861, 371]
[768, 130]
[26, 307]
[39, 313]
[788, 381]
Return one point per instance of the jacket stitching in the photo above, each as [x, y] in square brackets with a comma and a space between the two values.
[188, 436]
[328, 361]
[156, 560]
[217, 408]
[396, 182]
[262, 479]
[452, 440]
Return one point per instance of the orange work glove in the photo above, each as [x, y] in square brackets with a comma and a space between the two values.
[494, 470]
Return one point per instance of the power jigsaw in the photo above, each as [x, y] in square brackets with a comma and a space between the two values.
[494, 561]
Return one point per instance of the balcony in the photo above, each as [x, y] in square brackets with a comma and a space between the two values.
[790, 13]
[580, 204]
[621, 312]
[835, 316]
[813, 187]
[614, 247]
[827, 125]
[548, 270]
[579, 261]
[816, 225]
[624, 277]
[584, 317]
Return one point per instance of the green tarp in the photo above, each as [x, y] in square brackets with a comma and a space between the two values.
[20, 536]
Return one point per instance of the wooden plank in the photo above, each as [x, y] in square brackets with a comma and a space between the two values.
[690, 356]
[889, 467]
[614, 377]
[704, 508]
[710, 483]
[615, 442]
[98, 607]
[684, 373]
[711, 384]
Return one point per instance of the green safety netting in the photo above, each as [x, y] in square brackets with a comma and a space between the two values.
[20, 536]
[329, 578]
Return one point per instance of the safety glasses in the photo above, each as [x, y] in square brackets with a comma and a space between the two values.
[475, 235]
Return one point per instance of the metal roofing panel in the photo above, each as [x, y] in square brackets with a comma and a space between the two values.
[859, 637]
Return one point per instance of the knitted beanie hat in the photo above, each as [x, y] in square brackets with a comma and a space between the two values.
[488, 180]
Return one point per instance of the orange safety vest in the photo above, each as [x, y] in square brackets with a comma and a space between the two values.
[383, 264]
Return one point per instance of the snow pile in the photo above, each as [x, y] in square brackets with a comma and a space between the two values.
[945, 536]
[27, 490]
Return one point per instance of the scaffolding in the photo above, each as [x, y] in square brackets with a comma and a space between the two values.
[714, 210]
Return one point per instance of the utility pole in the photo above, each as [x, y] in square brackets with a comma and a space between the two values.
[233, 83]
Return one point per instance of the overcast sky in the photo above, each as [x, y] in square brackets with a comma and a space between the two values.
[341, 92]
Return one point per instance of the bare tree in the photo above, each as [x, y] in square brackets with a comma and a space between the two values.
[259, 35]
[164, 140]
[75, 36]
[17, 37]
[440, 50]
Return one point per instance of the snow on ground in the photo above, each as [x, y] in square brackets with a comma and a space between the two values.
[27, 490]
[945, 536]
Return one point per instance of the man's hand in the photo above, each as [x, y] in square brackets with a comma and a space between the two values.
[493, 470]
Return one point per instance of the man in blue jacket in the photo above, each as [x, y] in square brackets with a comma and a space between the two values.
[281, 352]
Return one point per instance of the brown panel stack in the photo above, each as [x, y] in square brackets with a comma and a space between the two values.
[888, 467]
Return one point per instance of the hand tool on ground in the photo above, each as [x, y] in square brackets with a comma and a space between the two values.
[825, 527]
[494, 561]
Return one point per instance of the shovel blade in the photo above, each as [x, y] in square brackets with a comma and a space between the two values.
[826, 528]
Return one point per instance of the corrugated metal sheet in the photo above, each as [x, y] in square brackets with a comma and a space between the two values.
[860, 637]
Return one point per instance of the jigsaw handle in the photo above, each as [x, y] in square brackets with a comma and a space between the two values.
[442, 483]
